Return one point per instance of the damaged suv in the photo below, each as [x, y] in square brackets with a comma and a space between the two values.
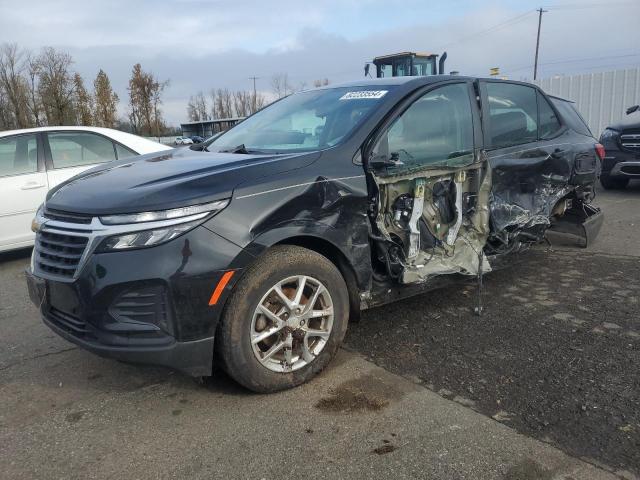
[324, 203]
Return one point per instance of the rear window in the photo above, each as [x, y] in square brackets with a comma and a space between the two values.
[571, 116]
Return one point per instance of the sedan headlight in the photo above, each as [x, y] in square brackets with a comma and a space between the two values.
[167, 225]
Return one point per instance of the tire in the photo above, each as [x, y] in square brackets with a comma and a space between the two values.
[251, 362]
[613, 183]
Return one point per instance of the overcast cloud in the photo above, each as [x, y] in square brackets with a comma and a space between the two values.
[200, 45]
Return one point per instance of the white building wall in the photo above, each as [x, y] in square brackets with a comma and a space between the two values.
[601, 98]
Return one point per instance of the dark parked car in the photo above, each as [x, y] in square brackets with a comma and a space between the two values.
[325, 203]
[204, 145]
[622, 144]
[197, 139]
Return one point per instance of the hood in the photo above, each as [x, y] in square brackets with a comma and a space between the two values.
[628, 121]
[163, 180]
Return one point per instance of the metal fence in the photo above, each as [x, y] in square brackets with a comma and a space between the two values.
[163, 140]
[601, 98]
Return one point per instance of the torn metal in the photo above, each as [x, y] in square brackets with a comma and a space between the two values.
[435, 221]
[455, 220]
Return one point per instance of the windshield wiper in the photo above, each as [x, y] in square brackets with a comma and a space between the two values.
[239, 149]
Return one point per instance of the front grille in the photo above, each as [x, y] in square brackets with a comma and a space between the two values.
[59, 254]
[59, 216]
[69, 323]
[630, 140]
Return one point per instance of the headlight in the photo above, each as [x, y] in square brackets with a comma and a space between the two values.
[36, 222]
[608, 135]
[194, 212]
[145, 238]
[167, 225]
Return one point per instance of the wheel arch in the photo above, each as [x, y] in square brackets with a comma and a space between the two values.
[336, 256]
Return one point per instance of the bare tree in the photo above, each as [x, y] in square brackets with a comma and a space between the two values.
[33, 78]
[280, 85]
[56, 87]
[258, 101]
[82, 102]
[6, 122]
[156, 99]
[197, 109]
[105, 102]
[145, 98]
[242, 103]
[14, 84]
[214, 112]
[223, 104]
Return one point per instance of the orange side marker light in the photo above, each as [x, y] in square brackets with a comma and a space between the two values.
[220, 287]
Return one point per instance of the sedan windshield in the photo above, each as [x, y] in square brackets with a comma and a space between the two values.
[304, 121]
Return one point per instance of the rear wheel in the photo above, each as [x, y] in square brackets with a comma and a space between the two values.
[284, 321]
[610, 183]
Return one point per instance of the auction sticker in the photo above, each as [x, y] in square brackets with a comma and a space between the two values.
[364, 94]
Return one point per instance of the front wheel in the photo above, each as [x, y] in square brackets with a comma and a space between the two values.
[284, 321]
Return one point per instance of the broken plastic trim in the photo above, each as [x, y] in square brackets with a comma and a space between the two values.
[582, 220]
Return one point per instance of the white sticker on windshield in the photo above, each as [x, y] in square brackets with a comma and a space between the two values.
[364, 94]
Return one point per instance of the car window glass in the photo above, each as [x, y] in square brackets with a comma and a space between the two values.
[124, 152]
[304, 121]
[72, 149]
[571, 116]
[18, 155]
[512, 114]
[548, 123]
[436, 130]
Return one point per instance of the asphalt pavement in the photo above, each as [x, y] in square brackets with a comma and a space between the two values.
[544, 385]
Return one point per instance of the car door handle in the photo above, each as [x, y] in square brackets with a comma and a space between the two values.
[32, 186]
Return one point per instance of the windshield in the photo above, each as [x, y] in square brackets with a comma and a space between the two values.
[305, 121]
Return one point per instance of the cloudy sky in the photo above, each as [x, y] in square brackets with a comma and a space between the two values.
[199, 45]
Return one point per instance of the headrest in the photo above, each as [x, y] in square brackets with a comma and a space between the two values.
[508, 126]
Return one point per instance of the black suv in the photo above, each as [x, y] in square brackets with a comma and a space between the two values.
[327, 202]
[622, 144]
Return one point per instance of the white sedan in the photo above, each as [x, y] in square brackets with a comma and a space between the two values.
[36, 159]
[183, 141]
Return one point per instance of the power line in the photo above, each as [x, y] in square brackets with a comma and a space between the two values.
[510, 21]
[581, 6]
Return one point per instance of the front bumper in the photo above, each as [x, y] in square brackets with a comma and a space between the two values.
[626, 170]
[621, 163]
[147, 306]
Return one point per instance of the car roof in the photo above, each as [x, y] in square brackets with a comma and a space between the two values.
[103, 130]
[372, 82]
[414, 82]
[138, 144]
[555, 97]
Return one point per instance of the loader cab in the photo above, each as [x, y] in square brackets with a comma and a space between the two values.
[408, 64]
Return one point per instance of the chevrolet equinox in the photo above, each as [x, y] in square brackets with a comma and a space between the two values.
[256, 252]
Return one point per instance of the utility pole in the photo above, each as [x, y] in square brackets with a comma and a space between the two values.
[535, 64]
[254, 100]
